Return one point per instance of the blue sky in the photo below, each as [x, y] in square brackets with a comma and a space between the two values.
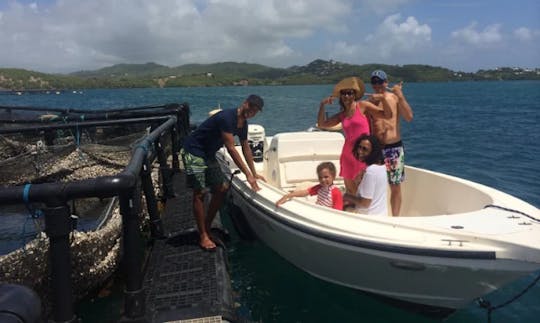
[463, 35]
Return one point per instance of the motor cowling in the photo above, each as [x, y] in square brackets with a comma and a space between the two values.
[256, 137]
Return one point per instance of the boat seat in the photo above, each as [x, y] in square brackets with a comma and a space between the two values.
[293, 158]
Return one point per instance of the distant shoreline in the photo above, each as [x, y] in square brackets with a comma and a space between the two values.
[80, 90]
[319, 71]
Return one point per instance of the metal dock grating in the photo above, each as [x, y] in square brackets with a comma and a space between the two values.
[183, 283]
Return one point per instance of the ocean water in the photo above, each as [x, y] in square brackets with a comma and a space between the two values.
[482, 131]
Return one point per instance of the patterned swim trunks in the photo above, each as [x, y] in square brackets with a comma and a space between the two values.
[394, 159]
[201, 173]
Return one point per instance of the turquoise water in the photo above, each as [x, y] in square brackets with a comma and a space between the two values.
[483, 131]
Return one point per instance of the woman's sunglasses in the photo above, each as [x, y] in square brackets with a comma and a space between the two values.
[347, 92]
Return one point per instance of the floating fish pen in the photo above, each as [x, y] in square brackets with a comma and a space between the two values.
[78, 189]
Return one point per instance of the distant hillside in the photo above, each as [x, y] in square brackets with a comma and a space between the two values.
[232, 73]
[134, 70]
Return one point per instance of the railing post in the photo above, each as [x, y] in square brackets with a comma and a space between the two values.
[175, 148]
[58, 226]
[134, 301]
[166, 172]
[156, 226]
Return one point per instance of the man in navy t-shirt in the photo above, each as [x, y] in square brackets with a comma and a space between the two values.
[202, 168]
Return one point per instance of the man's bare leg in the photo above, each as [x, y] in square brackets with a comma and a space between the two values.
[218, 194]
[395, 198]
[198, 212]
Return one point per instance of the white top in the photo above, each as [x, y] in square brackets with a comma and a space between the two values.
[374, 186]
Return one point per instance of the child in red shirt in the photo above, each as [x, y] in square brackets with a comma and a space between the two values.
[327, 193]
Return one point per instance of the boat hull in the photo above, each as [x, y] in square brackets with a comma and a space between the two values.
[434, 281]
[451, 246]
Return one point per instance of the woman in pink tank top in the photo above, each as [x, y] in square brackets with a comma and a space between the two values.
[354, 123]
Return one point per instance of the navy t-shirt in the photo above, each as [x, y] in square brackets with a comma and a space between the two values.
[206, 140]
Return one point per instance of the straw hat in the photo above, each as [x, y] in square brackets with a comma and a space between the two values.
[350, 83]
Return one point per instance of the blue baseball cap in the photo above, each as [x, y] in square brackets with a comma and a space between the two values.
[380, 74]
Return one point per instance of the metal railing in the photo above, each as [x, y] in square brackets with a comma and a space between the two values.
[128, 186]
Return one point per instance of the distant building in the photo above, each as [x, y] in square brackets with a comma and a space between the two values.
[241, 83]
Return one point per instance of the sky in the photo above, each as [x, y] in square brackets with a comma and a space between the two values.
[63, 36]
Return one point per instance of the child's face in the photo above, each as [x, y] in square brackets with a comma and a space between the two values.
[325, 177]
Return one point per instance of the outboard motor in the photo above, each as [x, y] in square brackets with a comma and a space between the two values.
[256, 141]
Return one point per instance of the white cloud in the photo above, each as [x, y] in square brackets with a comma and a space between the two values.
[394, 37]
[470, 35]
[395, 41]
[69, 35]
[526, 34]
[76, 34]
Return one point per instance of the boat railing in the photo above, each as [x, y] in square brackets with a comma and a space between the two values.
[168, 124]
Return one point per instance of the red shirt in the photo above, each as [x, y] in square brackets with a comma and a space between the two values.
[328, 196]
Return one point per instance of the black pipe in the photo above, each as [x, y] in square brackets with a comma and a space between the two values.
[156, 225]
[166, 173]
[101, 187]
[175, 149]
[134, 301]
[58, 227]
[29, 115]
[83, 124]
[93, 111]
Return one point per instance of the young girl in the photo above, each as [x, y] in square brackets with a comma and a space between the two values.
[327, 193]
[371, 196]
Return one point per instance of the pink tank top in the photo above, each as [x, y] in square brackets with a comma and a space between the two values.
[353, 127]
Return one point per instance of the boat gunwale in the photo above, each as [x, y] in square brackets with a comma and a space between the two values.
[356, 242]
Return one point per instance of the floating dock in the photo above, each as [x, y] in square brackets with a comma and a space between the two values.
[182, 282]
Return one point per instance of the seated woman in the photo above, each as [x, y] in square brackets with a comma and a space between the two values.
[372, 195]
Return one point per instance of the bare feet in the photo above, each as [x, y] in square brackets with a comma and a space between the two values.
[207, 244]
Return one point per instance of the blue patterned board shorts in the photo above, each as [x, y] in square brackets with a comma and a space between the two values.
[394, 159]
[201, 173]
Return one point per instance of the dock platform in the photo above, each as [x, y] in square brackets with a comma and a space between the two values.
[183, 283]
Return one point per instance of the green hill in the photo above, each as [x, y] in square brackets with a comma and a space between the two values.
[233, 73]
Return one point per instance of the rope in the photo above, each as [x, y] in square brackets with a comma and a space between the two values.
[144, 147]
[487, 304]
[489, 308]
[512, 210]
[34, 214]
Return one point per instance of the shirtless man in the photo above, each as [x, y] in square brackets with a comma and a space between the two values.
[387, 130]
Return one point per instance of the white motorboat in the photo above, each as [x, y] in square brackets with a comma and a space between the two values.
[455, 241]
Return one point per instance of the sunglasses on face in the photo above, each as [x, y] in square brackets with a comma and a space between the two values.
[377, 81]
[347, 92]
